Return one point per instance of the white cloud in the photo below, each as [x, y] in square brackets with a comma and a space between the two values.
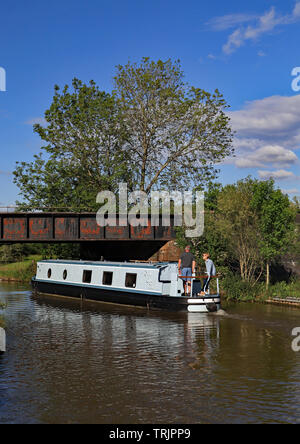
[267, 133]
[250, 27]
[229, 21]
[278, 175]
[296, 11]
[274, 155]
[272, 121]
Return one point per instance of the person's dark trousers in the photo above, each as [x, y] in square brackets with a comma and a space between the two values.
[206, 282]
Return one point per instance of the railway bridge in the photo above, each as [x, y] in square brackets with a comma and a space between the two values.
[110, 242]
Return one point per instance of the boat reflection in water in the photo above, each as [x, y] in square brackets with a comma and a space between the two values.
[69, 361]
[115, 326]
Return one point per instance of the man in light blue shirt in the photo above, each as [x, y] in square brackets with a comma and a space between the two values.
[210, 271]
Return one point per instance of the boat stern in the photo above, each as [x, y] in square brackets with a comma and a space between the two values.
[205, 304]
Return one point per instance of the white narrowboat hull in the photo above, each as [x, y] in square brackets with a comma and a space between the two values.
[150, 286]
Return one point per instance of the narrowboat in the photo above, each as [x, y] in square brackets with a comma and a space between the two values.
[151, 285]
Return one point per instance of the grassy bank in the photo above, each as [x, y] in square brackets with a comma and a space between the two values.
[19, 271]
[234, 289]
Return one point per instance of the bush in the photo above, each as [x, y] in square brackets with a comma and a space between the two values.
[60, 251]
[235, 289]
[283, 290]
[17, 252]
[24, 274]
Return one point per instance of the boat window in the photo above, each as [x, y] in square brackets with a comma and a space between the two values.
[87, 276]
[107, 278]
[65, 274]
[130, 280]
[49, 273]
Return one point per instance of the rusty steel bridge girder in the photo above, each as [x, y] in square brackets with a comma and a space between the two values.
[74, 227]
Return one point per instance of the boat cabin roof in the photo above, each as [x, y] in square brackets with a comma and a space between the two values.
[107, 263]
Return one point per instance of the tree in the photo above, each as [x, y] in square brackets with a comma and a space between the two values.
[83, 153]
[296, 203]
[238, 224]
[212, 240]
[276, 217]
[211, 196]
[175, 133]
[152, 131]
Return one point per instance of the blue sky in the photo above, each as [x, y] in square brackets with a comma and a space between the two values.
[246, 50]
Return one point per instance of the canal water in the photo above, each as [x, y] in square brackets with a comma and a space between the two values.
[68, 362]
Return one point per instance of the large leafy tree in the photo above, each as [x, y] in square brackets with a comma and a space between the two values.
[276, 217]
[175, 133]
[249, 223]
[238, 224]
[152, 131]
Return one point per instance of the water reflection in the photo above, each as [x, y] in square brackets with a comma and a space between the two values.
[100, 363]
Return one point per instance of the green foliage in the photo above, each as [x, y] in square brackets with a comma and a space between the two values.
[284, 290]
[246, 224]
[211, 240]
[236, 289]
[152, 131]
[60, 251]
[211, 196]
[276, 219]
[296, 203]
[17, 252]
[176, 132]
[19, 271]
[237, 223]
[25, 274]
[82, 154]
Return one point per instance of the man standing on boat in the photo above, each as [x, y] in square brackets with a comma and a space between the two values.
[186, 268]
[210, 271]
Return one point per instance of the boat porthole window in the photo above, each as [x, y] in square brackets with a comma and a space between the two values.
[49, 273]
[65, 274]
